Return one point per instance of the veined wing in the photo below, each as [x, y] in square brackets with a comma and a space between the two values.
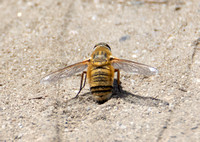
[65, 72]
[133, 67]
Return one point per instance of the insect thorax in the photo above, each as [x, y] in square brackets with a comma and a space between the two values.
[100, 56]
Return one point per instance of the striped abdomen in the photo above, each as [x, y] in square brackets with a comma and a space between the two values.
[101, 82]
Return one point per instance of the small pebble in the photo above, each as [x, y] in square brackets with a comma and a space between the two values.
[124, 38]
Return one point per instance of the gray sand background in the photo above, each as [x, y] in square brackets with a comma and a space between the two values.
[38, 37]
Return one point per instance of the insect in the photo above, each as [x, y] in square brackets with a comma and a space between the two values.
[101, 67]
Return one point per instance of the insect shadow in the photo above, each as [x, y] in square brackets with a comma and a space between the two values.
[136, 99]
[129, 97]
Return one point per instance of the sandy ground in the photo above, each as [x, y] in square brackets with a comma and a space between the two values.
[38, 37]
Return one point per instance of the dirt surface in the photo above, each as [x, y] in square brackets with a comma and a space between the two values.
[38, 37]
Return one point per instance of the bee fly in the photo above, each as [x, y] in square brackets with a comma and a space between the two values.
[101, 67]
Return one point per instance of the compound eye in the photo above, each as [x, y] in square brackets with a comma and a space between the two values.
[102, 44]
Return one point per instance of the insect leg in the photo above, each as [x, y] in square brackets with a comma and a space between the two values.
[118, 80]
[81, 87]
[85, 79]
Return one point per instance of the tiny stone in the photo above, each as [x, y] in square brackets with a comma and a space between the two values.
[124, 38]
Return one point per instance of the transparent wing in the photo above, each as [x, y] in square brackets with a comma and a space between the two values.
[65, 72]
[133, 67]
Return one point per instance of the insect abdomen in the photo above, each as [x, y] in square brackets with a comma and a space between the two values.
[101, 82]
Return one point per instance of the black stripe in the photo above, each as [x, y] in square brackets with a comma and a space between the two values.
[105, 54]
[99, 74]
[97, 87]
[100, 67]
[100, 91]
[99, 79]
